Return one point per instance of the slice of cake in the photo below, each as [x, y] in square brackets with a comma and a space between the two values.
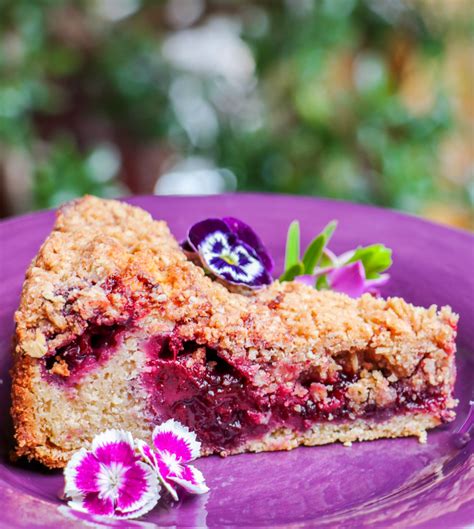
[118, 329]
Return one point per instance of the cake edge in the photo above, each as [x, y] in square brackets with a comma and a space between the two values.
[414, 424]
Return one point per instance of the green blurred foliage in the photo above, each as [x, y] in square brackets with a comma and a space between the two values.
[324, 113]
[67, 174]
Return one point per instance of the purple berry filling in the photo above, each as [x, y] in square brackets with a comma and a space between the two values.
[198, 387]
[83, 353]
[216, 397]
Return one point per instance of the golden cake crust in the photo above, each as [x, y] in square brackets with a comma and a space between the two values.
[95, 239]
[95, 242]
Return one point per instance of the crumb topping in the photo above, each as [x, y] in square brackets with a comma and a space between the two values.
[107, 261]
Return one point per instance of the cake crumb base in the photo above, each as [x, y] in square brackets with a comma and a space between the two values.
[407, 425]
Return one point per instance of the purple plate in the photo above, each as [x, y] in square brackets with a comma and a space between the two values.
[383, 484]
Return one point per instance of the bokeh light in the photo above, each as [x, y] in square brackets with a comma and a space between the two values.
[359, 100]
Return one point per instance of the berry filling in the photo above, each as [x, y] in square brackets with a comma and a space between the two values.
[79, 356]
[199, 387]
[218, 399]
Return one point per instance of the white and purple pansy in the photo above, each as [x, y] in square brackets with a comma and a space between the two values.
[174, 447]
[110, 479]
[230, 250]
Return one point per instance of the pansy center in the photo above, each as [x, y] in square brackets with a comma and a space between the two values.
[229, 258]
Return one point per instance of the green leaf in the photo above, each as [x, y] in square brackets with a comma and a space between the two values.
[290, 273]
[322, 283]
[376, 259]
[313, 253]
[329, 230]
[315, 249]
[325, 261]
[292, 252]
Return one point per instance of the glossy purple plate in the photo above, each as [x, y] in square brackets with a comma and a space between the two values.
[383, 484]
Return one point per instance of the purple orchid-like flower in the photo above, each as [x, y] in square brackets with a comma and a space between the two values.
[174, 447]
[110, 479]
[232, 251]
[348, 279]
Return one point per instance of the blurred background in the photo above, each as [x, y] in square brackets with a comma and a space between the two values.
[370, 101]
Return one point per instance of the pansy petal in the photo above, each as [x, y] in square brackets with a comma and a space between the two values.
[246, 234]
[139, 487]
[81, 474]
[175, 438]
[349, 279]
[245, 267]
[92, 504]
[230, 250]
[256, 274]
[114, 446]
[186, 246]
[200, 231]
[192, 480]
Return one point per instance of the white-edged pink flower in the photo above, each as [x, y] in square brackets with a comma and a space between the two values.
[174, 447]
[110, 479]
